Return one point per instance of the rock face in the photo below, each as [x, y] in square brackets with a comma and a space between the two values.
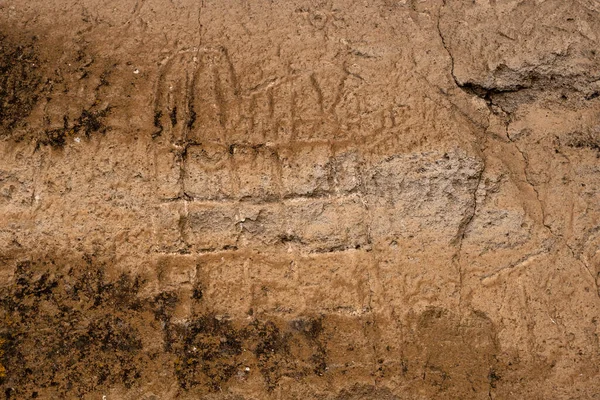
[322, 199]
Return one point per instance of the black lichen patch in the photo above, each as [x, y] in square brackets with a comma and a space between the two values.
[163, 306]
[69, 331]
[89, 122]
[19, 82]
[209, 354]
[592, 96]
[584, 140]
[93, 288]
[211, 351]
[296, 351]
[157, 124]
[173, 116]
[57, 137]
[198, 292]
[272, 352]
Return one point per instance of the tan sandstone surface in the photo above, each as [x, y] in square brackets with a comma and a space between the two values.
[395, 199]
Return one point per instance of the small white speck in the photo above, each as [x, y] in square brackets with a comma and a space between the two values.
[77, 140]
[103, 397]
[136, 71]
[37, 197]
[247, 369]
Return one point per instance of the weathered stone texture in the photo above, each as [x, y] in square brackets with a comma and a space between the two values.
[294, 200]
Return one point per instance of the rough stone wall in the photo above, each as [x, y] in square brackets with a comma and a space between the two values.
[394, 199]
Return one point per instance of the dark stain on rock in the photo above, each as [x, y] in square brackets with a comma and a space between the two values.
[89, 122]
[69, 331]
[296, 351]
[207, 355]
[19, 81]
[584, 140]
